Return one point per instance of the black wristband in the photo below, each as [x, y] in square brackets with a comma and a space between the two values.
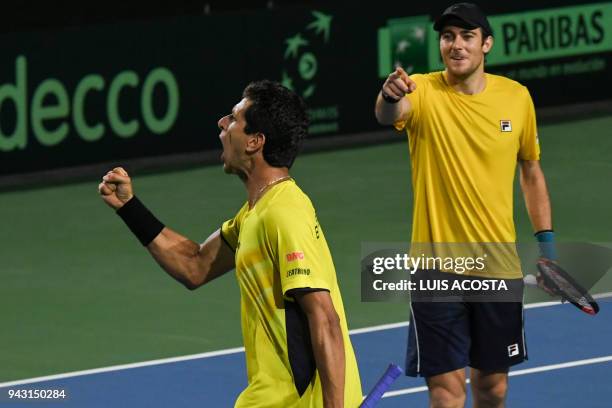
[388, 98]
[140, 220]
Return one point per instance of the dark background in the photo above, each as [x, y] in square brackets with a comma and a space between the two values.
[214, 49]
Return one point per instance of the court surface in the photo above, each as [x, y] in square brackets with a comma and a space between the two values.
[77, 292]
[570, 365]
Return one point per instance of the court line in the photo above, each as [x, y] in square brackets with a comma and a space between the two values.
[534, 305]
[223, 352]
[123, 367]
[379, 327]
[532, 370]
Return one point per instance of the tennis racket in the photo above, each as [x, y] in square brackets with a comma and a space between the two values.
[381, 386]
[560, 283]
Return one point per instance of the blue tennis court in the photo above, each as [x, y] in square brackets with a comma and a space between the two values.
[570, 365]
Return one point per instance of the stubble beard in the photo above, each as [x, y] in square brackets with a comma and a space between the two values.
[471, 70]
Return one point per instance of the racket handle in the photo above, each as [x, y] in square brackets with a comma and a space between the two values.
[390, 375]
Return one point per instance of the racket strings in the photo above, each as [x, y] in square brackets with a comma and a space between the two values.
[566, 289]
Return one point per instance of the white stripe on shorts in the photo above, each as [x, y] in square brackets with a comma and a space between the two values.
[416, 337]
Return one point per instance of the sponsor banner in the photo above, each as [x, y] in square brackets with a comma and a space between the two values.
[551, 33]
[114, 92]
[529, 46]
[109, 93]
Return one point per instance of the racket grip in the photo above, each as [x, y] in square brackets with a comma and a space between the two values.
[390, 375]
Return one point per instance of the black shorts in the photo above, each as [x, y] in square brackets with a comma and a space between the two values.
[446, 336]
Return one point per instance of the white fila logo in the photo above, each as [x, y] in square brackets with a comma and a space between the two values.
[513, 350]
[505, 125]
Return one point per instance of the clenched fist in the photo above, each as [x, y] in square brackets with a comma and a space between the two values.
[116, 188]
[397, 85]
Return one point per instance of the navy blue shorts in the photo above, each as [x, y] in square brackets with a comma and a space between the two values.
[446, 336]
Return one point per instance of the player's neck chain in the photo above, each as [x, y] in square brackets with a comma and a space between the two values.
[268, 185]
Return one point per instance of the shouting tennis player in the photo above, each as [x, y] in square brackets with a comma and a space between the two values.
[298, 350]
[467, 129]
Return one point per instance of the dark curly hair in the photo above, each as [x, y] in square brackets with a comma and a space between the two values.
[280, 114]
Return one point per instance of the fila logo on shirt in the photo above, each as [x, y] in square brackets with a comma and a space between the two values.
[505, 125]
[513, 350]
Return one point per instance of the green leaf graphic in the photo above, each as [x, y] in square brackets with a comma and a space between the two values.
[322, 24]
[293, 45]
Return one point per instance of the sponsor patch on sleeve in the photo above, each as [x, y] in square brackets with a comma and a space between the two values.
[294, 256]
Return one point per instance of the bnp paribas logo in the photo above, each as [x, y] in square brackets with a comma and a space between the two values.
[301, 62]
[404, 42]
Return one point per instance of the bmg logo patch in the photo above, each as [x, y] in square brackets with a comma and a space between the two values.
[294, 256]
[505, 125]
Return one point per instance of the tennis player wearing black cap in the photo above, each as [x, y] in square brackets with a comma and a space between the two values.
[467, 130]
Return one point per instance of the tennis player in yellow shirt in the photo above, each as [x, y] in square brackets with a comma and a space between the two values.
[467, 131]
[298, 351]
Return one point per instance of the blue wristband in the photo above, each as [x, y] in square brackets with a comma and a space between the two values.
[546, 243]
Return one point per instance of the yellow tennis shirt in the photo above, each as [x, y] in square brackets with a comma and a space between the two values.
[464, 150]
[279, 247]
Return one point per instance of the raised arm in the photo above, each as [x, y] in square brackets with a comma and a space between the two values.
[191, 263]
[188, 262]
[327, 344]
[390, 103]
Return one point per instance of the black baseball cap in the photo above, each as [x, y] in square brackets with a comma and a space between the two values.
[464, 15]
